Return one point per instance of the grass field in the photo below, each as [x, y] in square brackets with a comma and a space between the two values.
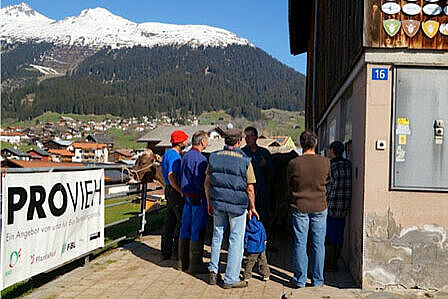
[274, 122]
[20, 146]
[124, 139]
[54, 117]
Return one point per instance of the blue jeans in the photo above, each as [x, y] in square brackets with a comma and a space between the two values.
[236, 244]
[194, 220]
[317, 224]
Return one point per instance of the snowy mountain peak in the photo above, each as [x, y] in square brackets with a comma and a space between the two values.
[98, 27]
[20, 11]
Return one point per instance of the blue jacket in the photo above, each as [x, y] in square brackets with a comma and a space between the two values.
[228, 181]
[255, 236]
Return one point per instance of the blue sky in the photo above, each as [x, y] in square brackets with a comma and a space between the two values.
[263, 22]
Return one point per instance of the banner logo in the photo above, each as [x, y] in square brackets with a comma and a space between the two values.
[14, 257]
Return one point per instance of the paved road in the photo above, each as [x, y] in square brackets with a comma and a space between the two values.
[135, 271]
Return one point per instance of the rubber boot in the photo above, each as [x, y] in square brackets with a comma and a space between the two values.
[184, 257]
[197, 265]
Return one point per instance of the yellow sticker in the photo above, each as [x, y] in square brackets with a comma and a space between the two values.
[403, 121]
[402, 139]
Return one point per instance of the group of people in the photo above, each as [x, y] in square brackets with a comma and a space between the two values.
[231, 186]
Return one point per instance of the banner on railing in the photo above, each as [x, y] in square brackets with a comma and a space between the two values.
[49, 219]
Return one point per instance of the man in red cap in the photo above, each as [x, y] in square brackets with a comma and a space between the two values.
[173, 195]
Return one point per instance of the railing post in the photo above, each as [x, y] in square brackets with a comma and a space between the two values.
[143, 207]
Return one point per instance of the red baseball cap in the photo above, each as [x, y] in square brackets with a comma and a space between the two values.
[178, 136]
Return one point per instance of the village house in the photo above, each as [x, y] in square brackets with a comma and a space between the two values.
[377, 80]
[101, 138]
[57, 144]
[90, 152]
[13, 153]
[61, 155]
[39, 154]
[120, 154]
[158, 140]
[12, 137]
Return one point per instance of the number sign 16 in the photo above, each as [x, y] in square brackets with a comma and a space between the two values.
[380, 74]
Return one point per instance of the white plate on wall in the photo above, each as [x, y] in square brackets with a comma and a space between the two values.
[411, 9]
[432, 9]
[391, 8]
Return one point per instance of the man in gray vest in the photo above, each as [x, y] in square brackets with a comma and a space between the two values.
[229, 188]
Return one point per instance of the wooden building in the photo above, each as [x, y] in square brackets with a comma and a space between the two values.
[377, 79]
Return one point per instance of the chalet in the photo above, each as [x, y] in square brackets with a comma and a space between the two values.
[101, 138]
[61, 155]
[377, 80]
[120, 154]
[90, 152]
[12, 137]
[39, 154]
[13, 153]
[158, 140]
[57, 144]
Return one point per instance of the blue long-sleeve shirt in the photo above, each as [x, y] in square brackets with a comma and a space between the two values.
[192, 174]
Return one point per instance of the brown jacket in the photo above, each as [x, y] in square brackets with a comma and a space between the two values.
[307, 177]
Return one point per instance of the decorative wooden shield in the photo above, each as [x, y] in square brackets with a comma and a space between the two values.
[430, 28]
[391, 26]
[411, 27]
[444, 29]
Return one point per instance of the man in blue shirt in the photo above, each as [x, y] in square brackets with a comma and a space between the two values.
[173, 195]
[194, 216]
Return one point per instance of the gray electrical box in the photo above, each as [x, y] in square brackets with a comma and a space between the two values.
[420, 129]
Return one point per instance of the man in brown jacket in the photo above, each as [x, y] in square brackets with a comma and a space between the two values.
[307, 177]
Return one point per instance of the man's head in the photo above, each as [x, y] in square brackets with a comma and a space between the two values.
[336, 150]
[233, 137]
[308, 140]
[200, 140]
[251, 134]
[179, 138]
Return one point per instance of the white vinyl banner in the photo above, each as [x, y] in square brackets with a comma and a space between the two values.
[49, 219]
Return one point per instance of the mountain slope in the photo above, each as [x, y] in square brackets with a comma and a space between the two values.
[105, 66]
[140, 81]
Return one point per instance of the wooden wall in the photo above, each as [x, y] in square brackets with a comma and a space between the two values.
[376, 37]
[339, 42]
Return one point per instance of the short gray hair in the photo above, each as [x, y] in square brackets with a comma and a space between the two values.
[198, 137]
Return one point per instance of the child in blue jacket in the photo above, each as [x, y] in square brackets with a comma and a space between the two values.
[255, 247]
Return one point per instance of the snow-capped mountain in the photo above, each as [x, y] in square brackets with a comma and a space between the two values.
[98, 27]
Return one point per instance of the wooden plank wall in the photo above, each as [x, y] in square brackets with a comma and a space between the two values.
[339, 42]
[376, 37]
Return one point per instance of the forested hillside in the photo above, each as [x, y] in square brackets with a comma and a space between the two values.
[138, 81]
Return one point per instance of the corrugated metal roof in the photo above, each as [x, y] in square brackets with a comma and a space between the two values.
[41, 152]
[36, 164]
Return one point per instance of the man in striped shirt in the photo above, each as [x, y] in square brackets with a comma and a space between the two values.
[339, 194]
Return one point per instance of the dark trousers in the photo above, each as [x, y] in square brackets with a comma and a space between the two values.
[173, 215]
[252, 258]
